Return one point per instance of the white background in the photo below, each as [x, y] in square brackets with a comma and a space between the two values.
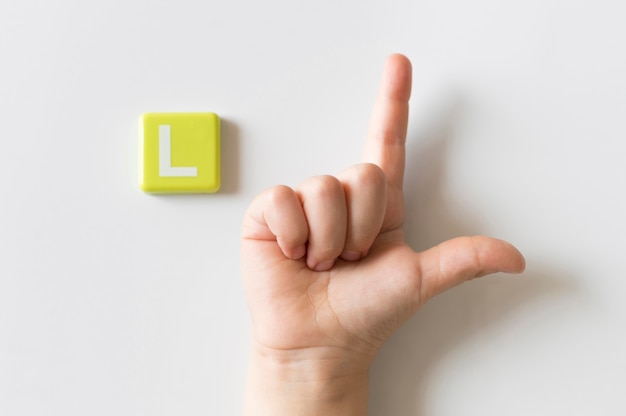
[114, 302]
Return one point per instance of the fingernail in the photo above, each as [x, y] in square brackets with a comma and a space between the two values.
[324, 266]
[351, 255]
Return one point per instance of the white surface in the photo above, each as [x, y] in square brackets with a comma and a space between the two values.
[517, 131]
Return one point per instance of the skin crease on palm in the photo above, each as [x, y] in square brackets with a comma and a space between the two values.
[326, 269]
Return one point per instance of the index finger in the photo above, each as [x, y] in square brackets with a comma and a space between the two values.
[386, 137]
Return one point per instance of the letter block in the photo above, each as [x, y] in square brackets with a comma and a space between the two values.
[180, 152]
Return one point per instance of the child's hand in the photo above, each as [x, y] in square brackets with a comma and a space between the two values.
[327, 272]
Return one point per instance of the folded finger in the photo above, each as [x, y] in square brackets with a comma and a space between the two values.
[277, 214]
[324, 205]
[365, 187]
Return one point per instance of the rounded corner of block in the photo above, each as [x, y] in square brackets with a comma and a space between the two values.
[146, 187]
[213, 187]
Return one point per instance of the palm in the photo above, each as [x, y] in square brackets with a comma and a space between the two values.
[306, 291]
[295, 307]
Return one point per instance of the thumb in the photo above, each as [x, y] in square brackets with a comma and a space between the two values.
[455, 261]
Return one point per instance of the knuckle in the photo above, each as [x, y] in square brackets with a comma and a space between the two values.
[367, 175]
[279, 195]
[323, 187]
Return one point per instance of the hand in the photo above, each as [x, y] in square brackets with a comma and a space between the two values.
[326, 269]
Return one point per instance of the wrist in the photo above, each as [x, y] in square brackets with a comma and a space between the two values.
[311, 381]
